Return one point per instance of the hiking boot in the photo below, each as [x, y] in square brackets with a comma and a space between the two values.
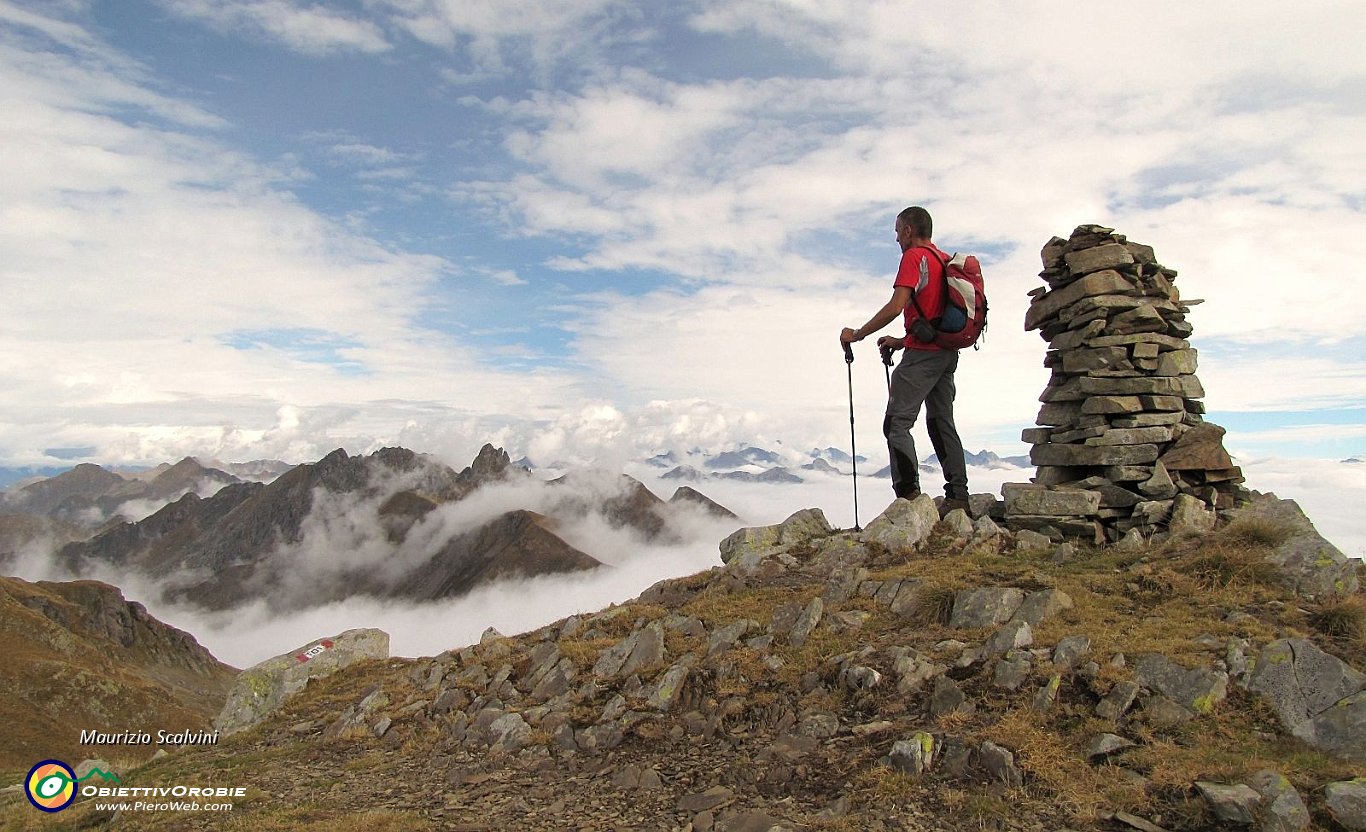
[950, 503]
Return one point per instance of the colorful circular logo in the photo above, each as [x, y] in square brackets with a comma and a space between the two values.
[51, 785]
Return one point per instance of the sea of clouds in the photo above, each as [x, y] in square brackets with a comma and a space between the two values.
[343, 532]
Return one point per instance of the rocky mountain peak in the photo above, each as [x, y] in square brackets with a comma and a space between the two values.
[489, 464]
[687, 495]
[187, 465]
[83, 482]
[185, 475]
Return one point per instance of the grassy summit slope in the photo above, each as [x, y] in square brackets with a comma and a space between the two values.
[794, 692]
[78, 656]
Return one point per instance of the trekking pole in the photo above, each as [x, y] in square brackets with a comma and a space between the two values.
[887, 366]
[853, 451]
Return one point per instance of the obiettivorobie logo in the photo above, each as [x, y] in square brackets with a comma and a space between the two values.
[51, 784]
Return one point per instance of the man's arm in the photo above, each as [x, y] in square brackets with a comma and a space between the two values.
[901, 296]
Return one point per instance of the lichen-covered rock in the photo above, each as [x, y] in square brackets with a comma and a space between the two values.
[838, 552]
[668, 688]
[1341, 729]
[913, 756]
[262, 689]
[1346, 802]
[1011, 671]
[549, 673]
[1132, 541]
[363, 713]
[610, 660]
[999, 764]
[959, 525]
[1118, 701]
[843, 584]
[1190, 515]
[507, 733]
[1319, 698]
[948, 698]
[1159, 486]
[724, 638]
[1047, 695]
[1283, 809]
[1162, 712]
[986, 607]
[745, 549]
[806, 622]
[648, 649]
[1070, 650]
[1038, 606]
[1104, 746]
[1043, 500]
[1199, 449]
[1027, 540]
[987, 537]
[904, 525]
[1198, 689]
[597, 738]
[1012, 636]
[1231, 804]
[913, 670]
[1308, 563]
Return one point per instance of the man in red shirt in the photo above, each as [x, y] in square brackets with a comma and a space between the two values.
[924, 376]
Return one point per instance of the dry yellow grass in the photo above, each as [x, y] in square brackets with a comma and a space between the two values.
[584, 652]
[934, 605]
[1342, 619]
[1226, 563]
[720, 608]
[1049, 751]
[1254, 532]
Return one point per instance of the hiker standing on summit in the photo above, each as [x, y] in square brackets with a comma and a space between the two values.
[924, 375]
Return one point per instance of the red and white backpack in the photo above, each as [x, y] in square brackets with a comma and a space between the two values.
[965, 303]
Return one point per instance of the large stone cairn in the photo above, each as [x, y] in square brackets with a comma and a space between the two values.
[1122, 443]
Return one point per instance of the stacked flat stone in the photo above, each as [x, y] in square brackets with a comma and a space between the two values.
[1122, 443]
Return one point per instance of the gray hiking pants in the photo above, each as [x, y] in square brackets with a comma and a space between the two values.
[924, 377]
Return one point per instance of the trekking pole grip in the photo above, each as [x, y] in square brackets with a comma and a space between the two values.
[848, 352]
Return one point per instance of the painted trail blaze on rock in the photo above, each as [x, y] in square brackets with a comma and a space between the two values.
[316, 650]
[261, 690]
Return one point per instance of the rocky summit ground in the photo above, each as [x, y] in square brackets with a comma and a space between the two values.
[915, 675]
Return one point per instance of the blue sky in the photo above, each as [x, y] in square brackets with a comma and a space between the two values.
[602, 230]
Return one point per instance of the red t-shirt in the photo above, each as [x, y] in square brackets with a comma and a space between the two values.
[922, 273]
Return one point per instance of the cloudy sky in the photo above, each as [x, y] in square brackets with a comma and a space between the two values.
[269, 228]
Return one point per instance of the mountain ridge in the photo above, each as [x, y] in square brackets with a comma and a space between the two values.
[79, 656]
[270, 541]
